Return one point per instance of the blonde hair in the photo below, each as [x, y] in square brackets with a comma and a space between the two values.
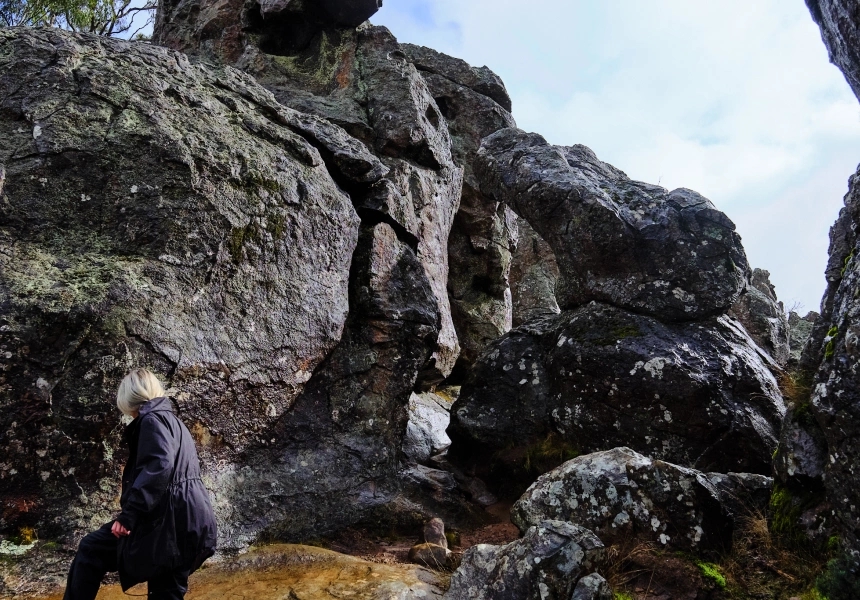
[137, 388]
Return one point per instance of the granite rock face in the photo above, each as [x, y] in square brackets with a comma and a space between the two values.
[360, 79]
[339, 445]
[545, 564]
[800, 329]
[534, 274]
[833, 345]
[429, 415]
[620, 494]
[839, 21]
[155, 213]
[637, 246]
[764, 317]
[695, 394]
[475, 104]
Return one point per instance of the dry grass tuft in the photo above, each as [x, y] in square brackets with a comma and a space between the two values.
[761, 563]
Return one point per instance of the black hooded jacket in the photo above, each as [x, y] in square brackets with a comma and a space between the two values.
[158, 440]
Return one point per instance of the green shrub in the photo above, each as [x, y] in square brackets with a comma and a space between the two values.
[621, 596]
[841, 580]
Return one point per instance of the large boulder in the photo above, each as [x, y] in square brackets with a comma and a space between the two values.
[545, 564]
[695, 394]
[157, 213]
[359, 79]
[621, 495]
[334, 458]
[475, 104]
[671, 255]
[764, 317]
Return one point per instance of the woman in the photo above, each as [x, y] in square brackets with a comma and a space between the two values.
[167, 527]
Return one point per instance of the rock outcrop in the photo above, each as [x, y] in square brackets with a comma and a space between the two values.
[833, 346]
[764, 317]
[840, 30]
[335, 454]
[545, 564]
[671, 255]
[429, 415]
[534, 274]
[621, 495]
[475, 104]
[156, 213]
[800, 330]
[695, 394]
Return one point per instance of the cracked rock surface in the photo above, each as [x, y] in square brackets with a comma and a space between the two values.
[545, 564]
[620, 494]
[637, 246]
[696, 394]
[764, 317]
[155, 213]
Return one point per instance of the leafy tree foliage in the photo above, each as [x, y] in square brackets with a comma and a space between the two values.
[101, 17]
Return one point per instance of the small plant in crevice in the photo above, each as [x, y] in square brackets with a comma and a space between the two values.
[712, 572]
[830, 345]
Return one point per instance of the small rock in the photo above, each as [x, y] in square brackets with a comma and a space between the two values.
[620, 494]
[592, 587]
[434, 533]
[544, 564]
[429, 555]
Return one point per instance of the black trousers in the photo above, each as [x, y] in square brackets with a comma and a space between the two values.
[96, 556]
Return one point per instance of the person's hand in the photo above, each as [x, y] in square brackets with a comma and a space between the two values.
[118, 530]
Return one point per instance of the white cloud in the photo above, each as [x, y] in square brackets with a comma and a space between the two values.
[734, 100]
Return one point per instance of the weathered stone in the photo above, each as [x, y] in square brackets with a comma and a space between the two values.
[763, 316]
[480, 80]
[335, 454]
[479, 246]
[534, 273]
[435, 197]
[270, 572]
[153, 213]
[839, 21]
[429, 555]
[800, 330]
[350, 13]
[592, 587]
[434, 532]
[425, 492]
[671, 255]
[429, 415]
[801, 457]
[361, 80]
[743, 494]
[545, 564]
[620, 494]
[696, 394]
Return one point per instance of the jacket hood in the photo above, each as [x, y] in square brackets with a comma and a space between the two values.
[157, 405]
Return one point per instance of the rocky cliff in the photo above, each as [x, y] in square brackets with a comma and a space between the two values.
[329, 244]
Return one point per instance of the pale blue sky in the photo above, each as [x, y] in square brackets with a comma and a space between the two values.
[734, 99]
